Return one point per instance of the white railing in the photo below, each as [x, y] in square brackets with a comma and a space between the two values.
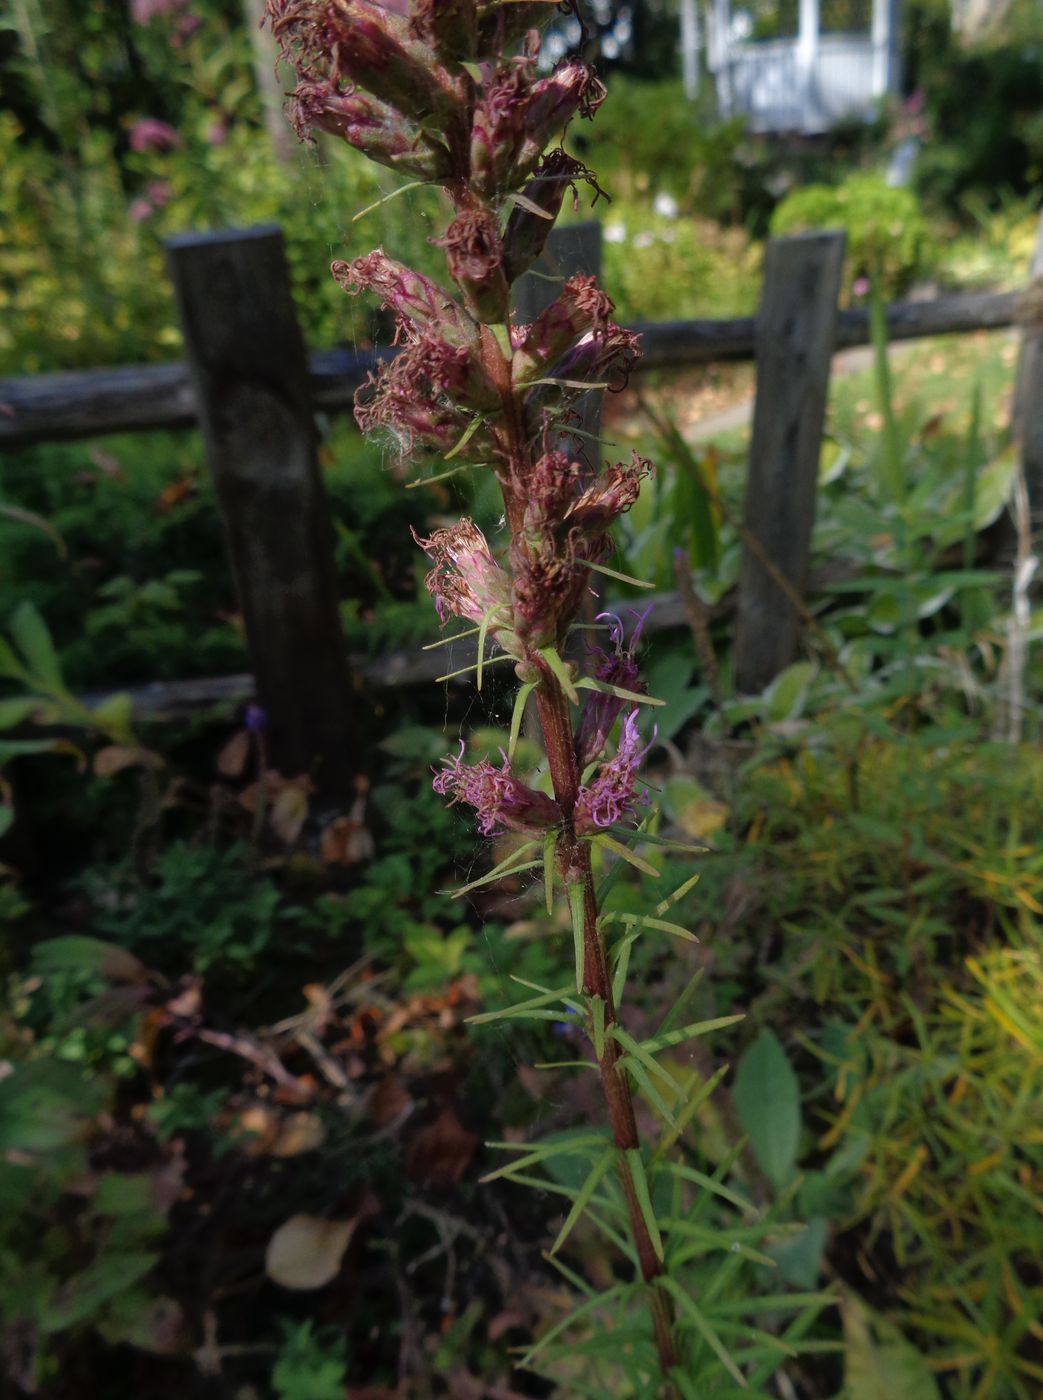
[782, 85]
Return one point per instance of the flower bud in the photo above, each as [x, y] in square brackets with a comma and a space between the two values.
[550, 105]
[527, 230]
[416, 300]
[372, 127]
[474, 254]
[582, 308]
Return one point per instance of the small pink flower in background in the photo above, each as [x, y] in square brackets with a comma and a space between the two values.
[217, 132]
[145, 11]
[185, 28]
[151, 134]
[861, 286]
[159, 193]
[140, 210]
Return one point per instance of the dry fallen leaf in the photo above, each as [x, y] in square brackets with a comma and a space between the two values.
[113, 758]
[306, 1252]
[233, 758]
[442, 1151]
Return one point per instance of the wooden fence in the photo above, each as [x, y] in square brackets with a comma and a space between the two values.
[248, 383]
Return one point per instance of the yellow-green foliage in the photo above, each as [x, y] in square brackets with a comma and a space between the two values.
[887, 234]
[911, 899]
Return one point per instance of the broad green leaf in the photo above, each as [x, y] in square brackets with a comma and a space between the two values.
[786, 695]
[114, 716]
[33, 640]
[45, 1104]
[78, 953]
[88, 1291]
[767, 1097]
[16, 710]
[880, 1364]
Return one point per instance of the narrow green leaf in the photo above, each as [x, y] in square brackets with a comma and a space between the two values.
[10, 666]
[550, 847]
[614, 573]
[688, 1310]
[640, 1052]
[641, 835]
[691, 1108]
[561, 672]
[442, 476]
[16, 710]
[678, 894]
[584, 1197]
[412, 185]
[541, 1154]
[674, 1014]
[644, 1082]
[644, 1198]
[474, 666]
[698, 1178]
[660, 1042]
[620, 916]
[603, 688]
[618, 849]
[445, 641]
[575, 893]
[518, 715]
[469, 433]
[546, 1000]
[584, 1310]
[505, 867]
[621, 956]
[597, 1025]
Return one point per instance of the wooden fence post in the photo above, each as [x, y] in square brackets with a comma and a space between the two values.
[249, 369]
[796, 328]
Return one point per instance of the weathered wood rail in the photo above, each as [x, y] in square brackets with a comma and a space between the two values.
[250, 386]
[135, 398]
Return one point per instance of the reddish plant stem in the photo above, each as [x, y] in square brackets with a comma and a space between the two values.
[574, 858]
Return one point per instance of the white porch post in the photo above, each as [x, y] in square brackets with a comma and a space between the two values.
[722, 23]
[690, 47]
[807, 54]
[880, 37]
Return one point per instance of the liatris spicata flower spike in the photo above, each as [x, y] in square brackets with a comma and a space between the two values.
[502, 801]
[610, 799]
[601, 709]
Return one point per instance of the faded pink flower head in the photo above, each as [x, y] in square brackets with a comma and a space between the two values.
[611, 797]
[467, 581]
[151, 134]
[502, 801]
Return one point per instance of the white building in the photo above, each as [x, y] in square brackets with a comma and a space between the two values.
[794, 65]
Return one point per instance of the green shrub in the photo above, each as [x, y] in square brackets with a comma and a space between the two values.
[888, 238]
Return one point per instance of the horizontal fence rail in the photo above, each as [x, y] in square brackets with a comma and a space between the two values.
[89, 403]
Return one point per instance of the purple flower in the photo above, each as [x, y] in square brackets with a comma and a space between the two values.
[371, 126]
[600, 711]
[151, 134]
[140, 210]
[502, 801]
[610, 798]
